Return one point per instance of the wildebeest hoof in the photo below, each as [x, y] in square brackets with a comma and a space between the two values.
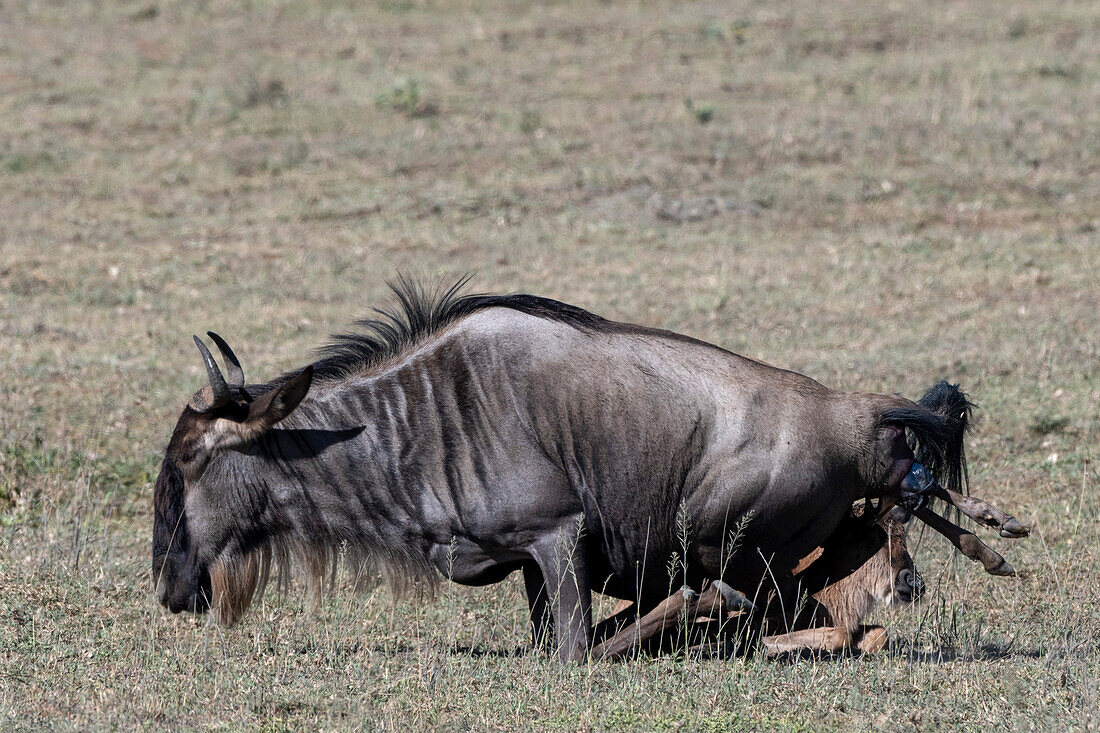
[734, 599]
[1014, 529]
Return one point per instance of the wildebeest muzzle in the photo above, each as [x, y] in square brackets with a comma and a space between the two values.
[908, 586]
[181, 588]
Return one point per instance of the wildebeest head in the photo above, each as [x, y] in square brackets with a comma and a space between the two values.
[200, 560]
[892, 576]
[865, 565]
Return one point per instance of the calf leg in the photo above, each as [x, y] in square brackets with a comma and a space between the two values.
[718, 600]
[967, 542]
[871, 639]
[824, 639]
[625, 612]
[830, 639]
[561, 559]
[667, 613]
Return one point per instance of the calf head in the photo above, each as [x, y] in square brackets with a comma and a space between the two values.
[890, 575]
[862, 565]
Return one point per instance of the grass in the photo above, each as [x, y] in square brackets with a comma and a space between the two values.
[905, 194]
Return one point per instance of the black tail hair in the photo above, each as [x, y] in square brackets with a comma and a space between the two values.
[937, 426]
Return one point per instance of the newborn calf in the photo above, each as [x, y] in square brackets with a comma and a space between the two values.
[861, 565]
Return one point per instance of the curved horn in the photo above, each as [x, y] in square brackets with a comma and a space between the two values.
[218, 393]
[232, 366]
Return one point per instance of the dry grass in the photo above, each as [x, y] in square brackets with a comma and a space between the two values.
[877, 196]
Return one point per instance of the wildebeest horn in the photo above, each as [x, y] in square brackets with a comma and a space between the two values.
[232, 365]
[214, 394]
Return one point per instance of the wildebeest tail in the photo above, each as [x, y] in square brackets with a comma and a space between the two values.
[937, 425]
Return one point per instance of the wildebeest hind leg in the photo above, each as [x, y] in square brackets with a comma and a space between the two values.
[561, 558]
[538, 601]
[830, 639]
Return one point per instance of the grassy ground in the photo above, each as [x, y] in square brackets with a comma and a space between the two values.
[877, 195]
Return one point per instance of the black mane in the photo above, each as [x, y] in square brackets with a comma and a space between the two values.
[419, 313]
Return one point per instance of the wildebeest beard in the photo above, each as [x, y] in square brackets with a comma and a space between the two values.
[478, 435]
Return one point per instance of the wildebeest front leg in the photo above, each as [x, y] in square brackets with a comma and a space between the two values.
[561, 558]
[679, 606]
[538, 601]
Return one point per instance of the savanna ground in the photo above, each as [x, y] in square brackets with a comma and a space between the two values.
[877, 195]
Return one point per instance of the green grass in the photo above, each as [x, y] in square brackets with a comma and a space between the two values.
[897, 194]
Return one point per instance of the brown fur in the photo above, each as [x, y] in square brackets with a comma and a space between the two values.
[234, 583]
[858, 565]
[849, 600]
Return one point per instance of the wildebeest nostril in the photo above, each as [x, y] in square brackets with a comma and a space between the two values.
[918, 586]
[909, 586]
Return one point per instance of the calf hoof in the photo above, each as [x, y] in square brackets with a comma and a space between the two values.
[874, 639]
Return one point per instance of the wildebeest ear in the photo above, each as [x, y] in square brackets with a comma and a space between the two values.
[263, 413]
[272, 407]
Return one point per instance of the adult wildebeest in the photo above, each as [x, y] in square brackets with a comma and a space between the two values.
[482, 434]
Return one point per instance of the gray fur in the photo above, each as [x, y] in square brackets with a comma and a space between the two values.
[518, 433]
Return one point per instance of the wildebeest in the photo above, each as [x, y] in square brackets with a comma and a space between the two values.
[845, 587]
[864, 563]
[476, 435]
[861, 565]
